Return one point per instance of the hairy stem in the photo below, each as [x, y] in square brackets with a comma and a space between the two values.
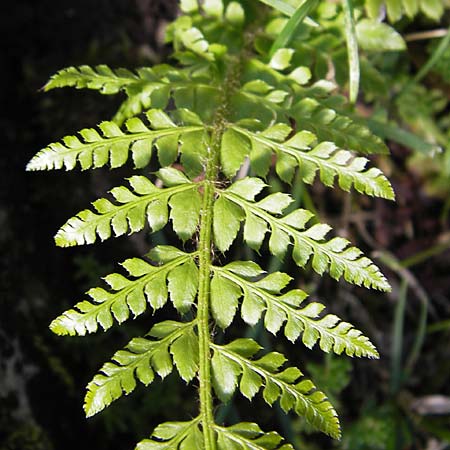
[205, 258]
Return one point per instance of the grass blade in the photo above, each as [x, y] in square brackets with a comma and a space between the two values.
[352, 49]
[437, 54]
[282, 6]
[288, 9]
[290, 29]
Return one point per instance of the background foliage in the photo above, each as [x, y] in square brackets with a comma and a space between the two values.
[383, 407]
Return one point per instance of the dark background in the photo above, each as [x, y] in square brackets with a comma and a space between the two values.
[42, 376]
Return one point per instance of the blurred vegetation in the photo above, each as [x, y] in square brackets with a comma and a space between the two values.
[400, 402]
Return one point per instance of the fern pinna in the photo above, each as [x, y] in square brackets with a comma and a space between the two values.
[225, 102]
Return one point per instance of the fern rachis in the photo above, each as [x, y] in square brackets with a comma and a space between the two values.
[209, 136]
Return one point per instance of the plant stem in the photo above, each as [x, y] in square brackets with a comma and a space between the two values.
[206, 401]
[205, 256]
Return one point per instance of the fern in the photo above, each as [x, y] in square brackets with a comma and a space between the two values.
[396, 9]
[225, 101]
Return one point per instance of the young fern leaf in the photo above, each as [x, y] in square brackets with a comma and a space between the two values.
[175, 436]
[140, 359]
[100, 78]
[248, 436]
[335, 256]
[232, 365]
[324, 158]
[134, 208]
[263, 297]
[110, 145]
[312, 108]
[178, 275]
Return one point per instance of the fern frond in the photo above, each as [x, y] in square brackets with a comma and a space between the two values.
[134, 208]
[324, 158]
[264, 297]
[140, 359]
[110, 145]
[312, 107]
[101, 78]
[150, 284]
[174, 436]
[396, 9]
[335, 255]
[231, 363]
[329, 125]
[249, 436]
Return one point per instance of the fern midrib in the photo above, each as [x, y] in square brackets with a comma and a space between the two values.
[229, 87]
[289, 310]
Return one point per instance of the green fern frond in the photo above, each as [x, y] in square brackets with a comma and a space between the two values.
[330, 125]
[134, 208]
[249, 436]
[335, 255]
[231, 364]
[324, 158]
[140, 359]
[229, 99]
[264, 297]
[174, 436]
[396, 9]
[110, 145]
[101, 78]
[150, 284]
[312, 107]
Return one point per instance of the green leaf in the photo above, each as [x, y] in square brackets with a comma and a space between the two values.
[139, 361]
[330, 162]
[131, 210]
[293, 25]
[148, 285]
[225, 374]
[213, 7]
[193, 150]
[235, 14]
[224, 300]
[189, 6]
[352, 50]
[248, 187]
[335, 255]
[249, 436]
[100, 78]
[164, 253]
[277, 383]
[281, 58]
[328, 125]
[286, 8]
[185, 212]
[109, 145]
[377, 36]
[298, 319]
[183, 285]
[227, 221]
[234, 149]
[174, 436]
[185, 355]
